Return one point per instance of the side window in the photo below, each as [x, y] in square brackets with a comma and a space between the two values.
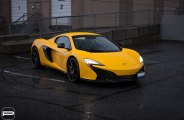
[64, 40]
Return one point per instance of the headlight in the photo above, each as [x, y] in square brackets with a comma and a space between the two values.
[141, 59]
[91, 62]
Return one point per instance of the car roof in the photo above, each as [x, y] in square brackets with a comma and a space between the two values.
[78, 33]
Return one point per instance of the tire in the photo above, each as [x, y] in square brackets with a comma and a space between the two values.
[35, 58]
[73, 70]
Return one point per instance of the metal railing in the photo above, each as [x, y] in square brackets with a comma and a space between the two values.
[22, 19]
[97, 22]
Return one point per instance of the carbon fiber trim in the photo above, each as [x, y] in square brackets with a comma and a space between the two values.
[104, 75]
[47, 52]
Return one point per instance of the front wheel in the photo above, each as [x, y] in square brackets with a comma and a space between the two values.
[35, 58]
[73, 71]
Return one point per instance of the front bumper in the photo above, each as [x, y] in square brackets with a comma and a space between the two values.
[105, 76]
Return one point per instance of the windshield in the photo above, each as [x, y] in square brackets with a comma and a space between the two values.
[94, 44]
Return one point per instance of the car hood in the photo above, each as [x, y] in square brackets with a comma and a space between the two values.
[125, 57]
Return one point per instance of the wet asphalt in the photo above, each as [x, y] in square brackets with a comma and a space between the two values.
[46, 94]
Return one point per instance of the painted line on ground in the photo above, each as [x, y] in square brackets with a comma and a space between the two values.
[20, 57]
[30, 76]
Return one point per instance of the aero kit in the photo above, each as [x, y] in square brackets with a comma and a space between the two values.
[88, 56]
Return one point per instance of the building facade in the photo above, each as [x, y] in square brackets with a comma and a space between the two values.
[13, 10]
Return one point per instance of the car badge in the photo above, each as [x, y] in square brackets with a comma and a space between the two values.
[124, 63]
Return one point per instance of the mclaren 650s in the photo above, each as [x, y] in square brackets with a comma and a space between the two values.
[87, 56]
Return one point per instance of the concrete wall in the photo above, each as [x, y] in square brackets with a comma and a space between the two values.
[181, 6]
[172, 27]
[89, 7]
[80, 7]
[158, 6]
[142, 15]
[134, 35]
[126, 19]
[127, 36]
[171, 5]
[77, 7]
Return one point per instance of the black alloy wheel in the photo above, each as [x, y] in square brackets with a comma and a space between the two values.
[35, 58]
[73, 71]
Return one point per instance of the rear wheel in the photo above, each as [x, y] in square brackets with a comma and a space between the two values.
[73, 71]
[35, 58]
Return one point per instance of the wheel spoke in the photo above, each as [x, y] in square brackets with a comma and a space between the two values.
[33, 53]
[71, 64]
[72, 70]
[35, 61]
[70, 67]
[35, 57]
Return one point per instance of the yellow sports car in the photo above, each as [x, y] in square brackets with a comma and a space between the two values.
[88, 56]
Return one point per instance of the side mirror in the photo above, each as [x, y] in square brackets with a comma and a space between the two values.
[61, 45]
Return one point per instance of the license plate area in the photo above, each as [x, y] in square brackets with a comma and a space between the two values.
[141, 74]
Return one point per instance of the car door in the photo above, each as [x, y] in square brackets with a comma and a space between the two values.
[60, 55]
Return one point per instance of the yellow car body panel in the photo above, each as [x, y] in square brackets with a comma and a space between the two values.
[122, 63]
